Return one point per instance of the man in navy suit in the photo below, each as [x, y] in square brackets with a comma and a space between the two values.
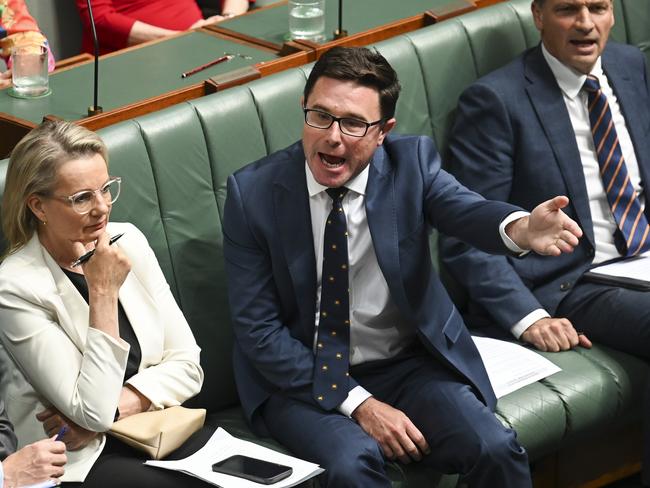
[348, 349]
[525, 132]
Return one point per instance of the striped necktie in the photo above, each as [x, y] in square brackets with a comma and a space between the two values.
[331, 377]
[631, 237]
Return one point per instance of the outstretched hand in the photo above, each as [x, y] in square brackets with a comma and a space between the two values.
[547, 230]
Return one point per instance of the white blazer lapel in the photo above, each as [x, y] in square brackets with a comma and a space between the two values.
[143, 315]
[72, 310]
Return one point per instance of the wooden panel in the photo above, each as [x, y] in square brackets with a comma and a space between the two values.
[13, 130]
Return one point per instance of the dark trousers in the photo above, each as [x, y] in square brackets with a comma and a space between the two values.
[121, 465]
[464, 435]
[619, 318]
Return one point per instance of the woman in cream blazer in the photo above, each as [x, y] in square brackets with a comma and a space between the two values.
[70, 357]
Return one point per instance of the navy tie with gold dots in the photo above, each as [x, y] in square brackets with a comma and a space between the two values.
[331, 377]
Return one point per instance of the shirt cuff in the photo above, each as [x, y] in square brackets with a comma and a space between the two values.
[356, 396]
[2, 476]
[510, 244]
[521, 326]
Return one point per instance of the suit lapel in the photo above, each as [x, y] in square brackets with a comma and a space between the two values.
[142, 313]
[548, 103]
[72, 309]
[291, 198]
[636, 119]
[381, 211]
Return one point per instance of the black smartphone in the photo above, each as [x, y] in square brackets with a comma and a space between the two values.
[253, 469]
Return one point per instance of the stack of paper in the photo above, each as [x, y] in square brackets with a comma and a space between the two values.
[221, 446]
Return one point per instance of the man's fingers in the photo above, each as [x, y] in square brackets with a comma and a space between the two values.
[584, 341]
[572, 226]
[569, 237]
[563, 246]
[558, 202]
[388, 452]
[417, 438]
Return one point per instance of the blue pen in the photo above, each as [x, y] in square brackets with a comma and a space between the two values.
[61, 433]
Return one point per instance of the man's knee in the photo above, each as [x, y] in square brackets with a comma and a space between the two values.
[358, 464]
[475, 450]
[503, 449]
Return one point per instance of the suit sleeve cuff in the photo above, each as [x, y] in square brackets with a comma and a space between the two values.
[356, 396]
[510, 244]
[521, 326]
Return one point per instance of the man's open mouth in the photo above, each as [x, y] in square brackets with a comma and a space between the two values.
[331, 161]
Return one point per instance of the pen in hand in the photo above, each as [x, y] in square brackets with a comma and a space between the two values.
[61, 433]
[85, 257]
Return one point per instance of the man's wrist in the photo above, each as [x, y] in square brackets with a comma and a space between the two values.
[522, 326]
[509, 230]
[356, 396]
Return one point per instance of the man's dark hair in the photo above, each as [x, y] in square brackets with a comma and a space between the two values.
[362, 66]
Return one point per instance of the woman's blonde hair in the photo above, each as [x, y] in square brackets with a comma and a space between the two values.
[33, 167]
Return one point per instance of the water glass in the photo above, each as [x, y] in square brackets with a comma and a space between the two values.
[29, 71]
[307, 20]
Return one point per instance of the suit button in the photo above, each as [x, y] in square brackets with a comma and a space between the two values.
[565, 286]
[591, 252]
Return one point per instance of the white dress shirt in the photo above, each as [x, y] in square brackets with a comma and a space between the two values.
[575, 99]
[376, 327]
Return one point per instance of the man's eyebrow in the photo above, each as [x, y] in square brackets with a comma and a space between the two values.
[347, 115]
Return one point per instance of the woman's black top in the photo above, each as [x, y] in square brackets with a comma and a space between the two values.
[126, 331]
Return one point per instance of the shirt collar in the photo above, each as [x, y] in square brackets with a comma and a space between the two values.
[356, 184]
[570, 80]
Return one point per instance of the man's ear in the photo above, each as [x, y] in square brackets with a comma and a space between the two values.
[386, 128]
[302, 101]
[537, 15]
[35, 204]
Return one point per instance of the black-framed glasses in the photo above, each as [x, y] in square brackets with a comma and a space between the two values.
[349, 126]
[82, 202]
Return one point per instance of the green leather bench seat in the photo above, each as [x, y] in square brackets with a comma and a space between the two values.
[174, 164]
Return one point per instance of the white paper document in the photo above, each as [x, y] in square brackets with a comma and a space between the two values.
[511, 366]
[221, 446]
[637, 268]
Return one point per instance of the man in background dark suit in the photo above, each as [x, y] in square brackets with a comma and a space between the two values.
[348, 349]
[570, 116]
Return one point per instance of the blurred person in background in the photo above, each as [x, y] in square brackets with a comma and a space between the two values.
[122, 23]
[18, 28]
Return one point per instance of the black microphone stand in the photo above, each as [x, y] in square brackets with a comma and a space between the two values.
[94, 109]
[340, 32]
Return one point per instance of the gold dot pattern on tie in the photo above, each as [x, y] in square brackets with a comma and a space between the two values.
[632, 234]
[331, 378]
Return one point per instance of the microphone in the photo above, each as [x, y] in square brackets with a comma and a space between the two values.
[94, 109]
[340, 32]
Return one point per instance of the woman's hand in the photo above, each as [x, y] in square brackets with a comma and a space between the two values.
[5, 79]
[107, 269]
[132, 402]
[105, 272]
[75, 437]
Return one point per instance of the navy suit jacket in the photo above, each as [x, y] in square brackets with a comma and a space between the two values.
[271, 267]
[513, 141]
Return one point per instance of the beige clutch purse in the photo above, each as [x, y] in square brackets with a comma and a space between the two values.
[160, 432]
